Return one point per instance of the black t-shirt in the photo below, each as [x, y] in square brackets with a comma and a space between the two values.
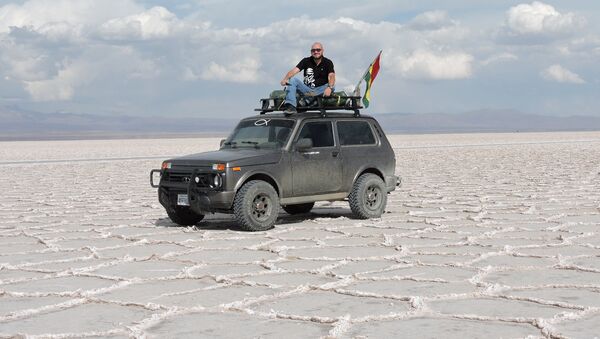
[315, 76]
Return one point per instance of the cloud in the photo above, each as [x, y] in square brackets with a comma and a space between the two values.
[125, 52]
[431, 20]
[155, 23]
[423, 64]
[113, 66]
[23, 62]
[54, 16]
[60, 87]
[245, 70]
[558, 73]
[171, 49]
[502, 57]
[540, 18]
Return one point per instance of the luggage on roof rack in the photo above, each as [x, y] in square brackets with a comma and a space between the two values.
[336, 101]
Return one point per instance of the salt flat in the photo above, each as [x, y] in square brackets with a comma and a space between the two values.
[491, 235]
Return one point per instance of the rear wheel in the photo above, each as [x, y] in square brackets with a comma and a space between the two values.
[184, 216]
[298, 208]
[368, 197]
[256, 206]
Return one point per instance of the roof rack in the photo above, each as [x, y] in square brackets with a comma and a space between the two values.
[317, 103]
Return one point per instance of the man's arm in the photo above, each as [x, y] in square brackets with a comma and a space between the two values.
[330, 84]
[289, 74]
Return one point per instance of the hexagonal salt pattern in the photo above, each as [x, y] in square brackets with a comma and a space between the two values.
[491, 235]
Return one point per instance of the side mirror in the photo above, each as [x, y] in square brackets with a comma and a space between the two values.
[222, 142]
[304, 144]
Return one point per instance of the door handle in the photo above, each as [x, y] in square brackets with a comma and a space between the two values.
[335, 153]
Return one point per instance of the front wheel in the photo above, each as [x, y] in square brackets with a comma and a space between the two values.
[184, 216]
[368, 197]
[256, 206]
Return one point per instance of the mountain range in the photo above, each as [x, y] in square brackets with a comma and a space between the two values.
[16, 124]
[485, 121]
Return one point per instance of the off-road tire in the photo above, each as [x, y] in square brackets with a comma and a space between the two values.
[184, 216]
[298, 208]
[368, 197]
[256, 206]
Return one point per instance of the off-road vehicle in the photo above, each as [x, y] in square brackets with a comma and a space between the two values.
[272, 160]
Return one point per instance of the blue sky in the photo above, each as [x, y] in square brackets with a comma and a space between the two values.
[216, 58]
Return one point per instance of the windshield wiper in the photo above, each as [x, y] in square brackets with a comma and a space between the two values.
[230, 143]
[255, 143]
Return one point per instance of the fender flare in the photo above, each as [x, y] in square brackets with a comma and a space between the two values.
[244, 178]
[368, 168]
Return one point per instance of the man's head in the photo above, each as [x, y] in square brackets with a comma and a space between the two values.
[316, 50]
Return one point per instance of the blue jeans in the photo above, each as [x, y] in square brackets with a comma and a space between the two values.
[296, 84]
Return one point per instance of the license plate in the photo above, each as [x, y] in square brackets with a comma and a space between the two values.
[182, 200]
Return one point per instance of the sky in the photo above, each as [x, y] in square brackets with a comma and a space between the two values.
[209, 58]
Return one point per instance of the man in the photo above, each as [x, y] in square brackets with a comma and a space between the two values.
[319, 78]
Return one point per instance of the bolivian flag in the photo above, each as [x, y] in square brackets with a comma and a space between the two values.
[369, 77]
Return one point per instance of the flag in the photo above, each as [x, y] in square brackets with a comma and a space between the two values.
[369, 77]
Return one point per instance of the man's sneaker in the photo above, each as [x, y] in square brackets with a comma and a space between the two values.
[289, 109]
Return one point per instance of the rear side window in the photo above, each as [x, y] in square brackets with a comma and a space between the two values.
[355, 133]
[320, 132]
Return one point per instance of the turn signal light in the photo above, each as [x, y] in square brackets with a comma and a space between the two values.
[166, 165]
[237, 169]
[218, 167]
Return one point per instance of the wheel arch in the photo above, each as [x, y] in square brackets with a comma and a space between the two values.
[369, 169]
[259, 176]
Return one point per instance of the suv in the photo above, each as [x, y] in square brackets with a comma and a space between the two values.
[273, 160]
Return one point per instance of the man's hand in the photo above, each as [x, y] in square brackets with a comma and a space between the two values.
[327, 92]
[286, 78]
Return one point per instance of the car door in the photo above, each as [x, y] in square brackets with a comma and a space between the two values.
[317, 170]
[358, 147]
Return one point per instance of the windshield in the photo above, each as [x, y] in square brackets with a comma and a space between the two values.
[260, 133]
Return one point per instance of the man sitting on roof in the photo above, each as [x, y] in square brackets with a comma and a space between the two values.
[319, 77]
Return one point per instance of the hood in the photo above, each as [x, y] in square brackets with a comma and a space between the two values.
[231, 157]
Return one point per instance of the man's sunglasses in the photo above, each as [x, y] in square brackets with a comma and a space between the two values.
[315, 50]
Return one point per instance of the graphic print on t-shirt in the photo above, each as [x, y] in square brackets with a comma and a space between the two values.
[309, 78]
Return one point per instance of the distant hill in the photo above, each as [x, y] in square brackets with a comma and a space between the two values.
[19, 125]
[484, 121]
[16, 124]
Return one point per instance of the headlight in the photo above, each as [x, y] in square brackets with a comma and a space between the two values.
[166, 165]
[217, 181]
[218, 167]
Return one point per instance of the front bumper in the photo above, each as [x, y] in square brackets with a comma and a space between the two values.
[392, 182]
[201, 200]
[204, 202]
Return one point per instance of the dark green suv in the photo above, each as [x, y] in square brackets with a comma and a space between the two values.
[273, 160]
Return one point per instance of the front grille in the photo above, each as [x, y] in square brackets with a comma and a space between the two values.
[205, 179]
[177, 177]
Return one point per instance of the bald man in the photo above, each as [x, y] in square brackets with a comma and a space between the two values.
[319, 77]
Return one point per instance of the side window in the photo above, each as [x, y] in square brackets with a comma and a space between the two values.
[320, 132]
[355, 133]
